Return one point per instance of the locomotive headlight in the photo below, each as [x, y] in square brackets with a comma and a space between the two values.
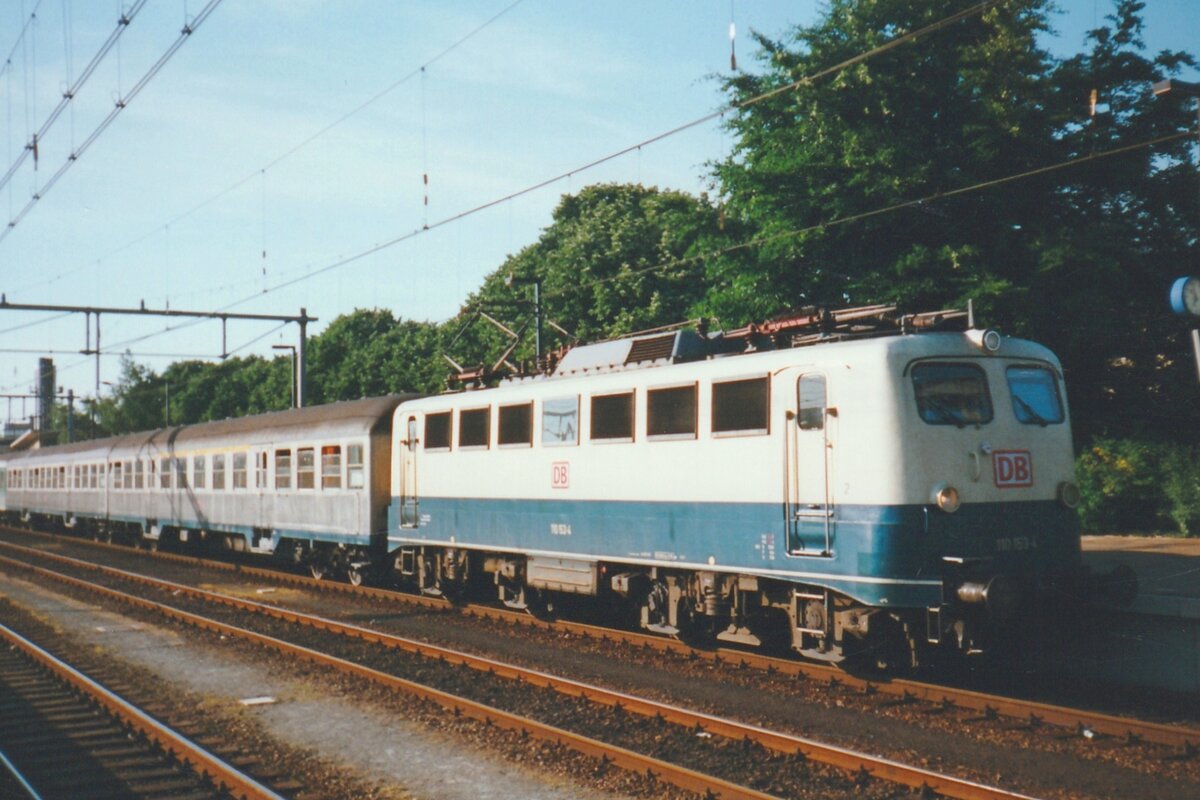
[988, 339]
[1068, 494]
[946, 497]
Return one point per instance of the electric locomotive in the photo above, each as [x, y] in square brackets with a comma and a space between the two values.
[847, 484]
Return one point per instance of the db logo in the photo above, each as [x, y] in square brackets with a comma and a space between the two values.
[560, 475]
[1012, 468]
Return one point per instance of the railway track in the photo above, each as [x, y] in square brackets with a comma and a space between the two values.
[64, 735]
[1180, 739]
[620, 708]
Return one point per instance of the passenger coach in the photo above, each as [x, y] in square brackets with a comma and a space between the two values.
[871, 494]
[309, 485]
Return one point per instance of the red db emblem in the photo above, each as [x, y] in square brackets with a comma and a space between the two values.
[1012, 468]
[560, 475]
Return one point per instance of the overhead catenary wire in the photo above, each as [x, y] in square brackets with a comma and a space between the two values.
[72, 91]
[122, 102]
[891, 44]
[297, 147]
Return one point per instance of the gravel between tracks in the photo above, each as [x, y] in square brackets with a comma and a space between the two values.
[1041, 763]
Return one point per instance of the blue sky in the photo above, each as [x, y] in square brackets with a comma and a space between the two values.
[545, 88]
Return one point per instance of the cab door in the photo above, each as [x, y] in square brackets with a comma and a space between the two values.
[810, 507]
[409, 512]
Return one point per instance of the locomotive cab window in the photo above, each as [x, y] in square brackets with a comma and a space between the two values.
[437, 430]
[740, 408]
[474, 427]
[813, 402]
[1034, 392]
[560, 421]
[952, 394]
[671, 412]
[515, 425]
[612, 417]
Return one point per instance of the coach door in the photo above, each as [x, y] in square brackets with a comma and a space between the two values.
[408, 474]
[810, 506]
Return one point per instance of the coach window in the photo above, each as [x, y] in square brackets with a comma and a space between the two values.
[260, 470]
[239, 470]
[118, 483]
[515, 425]
[437, 430]
[1035, 397]
[218, 472]
[305, 468]
[93, 479]
[128, 474]
[138, 474]
[164, 473]
[355, 479]
[331, 467]
[283, 469]
[181, 479]
[199, 472]
[812, 402]
[474, 427]
[671, 412]
[739, 408]
[952, 394]
[612, 417]
[560, 421]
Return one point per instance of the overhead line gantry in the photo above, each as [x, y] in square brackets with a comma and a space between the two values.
[89, 311]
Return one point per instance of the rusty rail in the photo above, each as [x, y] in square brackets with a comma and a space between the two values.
[1183, 738]
[214, 769]
[853, 762]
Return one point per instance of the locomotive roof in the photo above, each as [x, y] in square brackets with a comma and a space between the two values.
[352, 415]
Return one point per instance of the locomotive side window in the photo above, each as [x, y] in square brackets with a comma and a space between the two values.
[952, 394]
[331, 467]
[515, 425]
[740, 407]
[305, 468]
[671, 413]
[218, 469]
[199, 472]
[437, 430]
[474, 427]
[239, 470]
[354, 467]
[612, 417]
[560, 421]
[283, 469]
[812, 402]
[1035, 397]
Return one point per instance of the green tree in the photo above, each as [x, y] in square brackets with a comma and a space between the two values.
[1060, 257]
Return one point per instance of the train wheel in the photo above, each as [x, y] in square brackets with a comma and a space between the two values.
[317, 569]
[354, 575]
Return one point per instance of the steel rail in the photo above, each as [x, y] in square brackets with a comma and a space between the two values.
[222, 775]
[853, 762]
[681, 777]
[11, 769]
[1185, 739]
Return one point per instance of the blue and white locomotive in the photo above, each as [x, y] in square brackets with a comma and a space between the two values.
[814, 482]
[854, 483]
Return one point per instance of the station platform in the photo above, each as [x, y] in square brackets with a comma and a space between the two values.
[1155, 642]
[1168, 570]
